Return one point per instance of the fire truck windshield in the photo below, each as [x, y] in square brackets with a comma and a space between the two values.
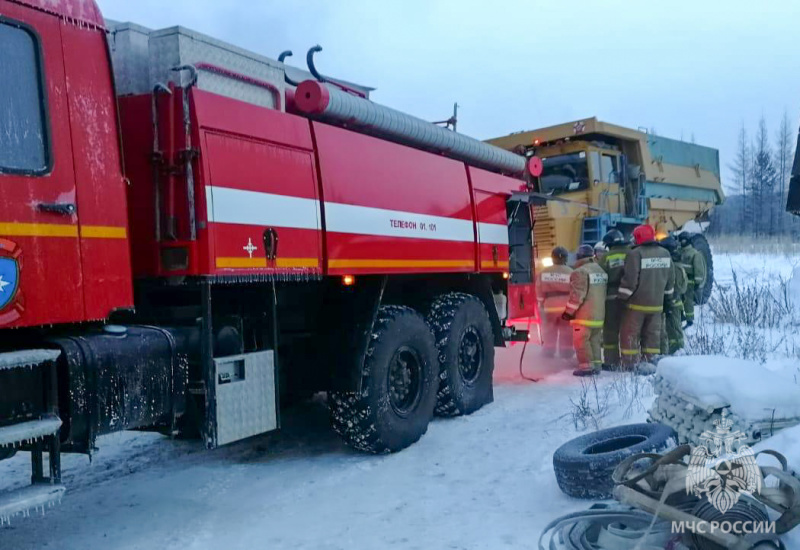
[565, 173]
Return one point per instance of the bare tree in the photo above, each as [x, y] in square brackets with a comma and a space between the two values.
[740, 168]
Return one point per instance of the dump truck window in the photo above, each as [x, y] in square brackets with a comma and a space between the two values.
[564, 173]
[609, 172]
[23, 124]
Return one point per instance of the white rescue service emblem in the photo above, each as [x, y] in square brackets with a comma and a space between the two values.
[656, 263]
[555, 277]
[598, 279]
[250, 247]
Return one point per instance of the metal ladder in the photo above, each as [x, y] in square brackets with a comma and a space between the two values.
[592, 230]
[39, 435]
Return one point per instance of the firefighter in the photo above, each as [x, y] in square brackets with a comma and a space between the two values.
[553, 288]
[671, 331]
[694, 265]
[600, 250]
[613, 262]
[647, 284]
[585, 311]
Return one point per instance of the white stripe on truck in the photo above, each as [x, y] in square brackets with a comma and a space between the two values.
[238, 206]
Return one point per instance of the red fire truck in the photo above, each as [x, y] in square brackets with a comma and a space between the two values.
[191, 236]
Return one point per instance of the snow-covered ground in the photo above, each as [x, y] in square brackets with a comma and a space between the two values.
[477, 482]
[483, 481]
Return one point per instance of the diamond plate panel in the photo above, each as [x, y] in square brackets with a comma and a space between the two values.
[179, 46]
[246, 396]
[129, 45]
[143, 58]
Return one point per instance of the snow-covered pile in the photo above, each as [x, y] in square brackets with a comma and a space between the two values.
[694, 390]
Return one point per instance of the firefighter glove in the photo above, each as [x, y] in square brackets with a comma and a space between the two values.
[567, 316]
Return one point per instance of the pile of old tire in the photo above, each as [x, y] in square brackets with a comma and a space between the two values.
[692, 417]
[583, 466]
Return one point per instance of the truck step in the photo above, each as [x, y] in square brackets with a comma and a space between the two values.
[31, 498]
[28, 432]
[28, 358]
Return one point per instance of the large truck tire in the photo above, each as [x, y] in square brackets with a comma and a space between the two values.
[700, 243]
[398, 386]
[583, 466]
[465, 343]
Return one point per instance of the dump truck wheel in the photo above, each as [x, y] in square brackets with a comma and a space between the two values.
[700, 243]
[583, 466]
[465, 344]
[398, 386]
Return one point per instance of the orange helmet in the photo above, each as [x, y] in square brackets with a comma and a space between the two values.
[643, 234]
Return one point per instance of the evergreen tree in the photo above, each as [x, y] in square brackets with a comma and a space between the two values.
[763, 178]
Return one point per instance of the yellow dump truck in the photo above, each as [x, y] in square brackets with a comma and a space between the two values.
[597, 176]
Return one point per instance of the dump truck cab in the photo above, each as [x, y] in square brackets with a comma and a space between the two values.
[603, 176]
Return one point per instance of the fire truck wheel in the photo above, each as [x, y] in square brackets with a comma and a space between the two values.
[398, 386]
[465, 343]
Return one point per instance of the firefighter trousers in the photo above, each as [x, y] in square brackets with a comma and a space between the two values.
[614, 310]
[556, 335]
[640, 336]
[587, 342]
[688, 302]
[673, 329]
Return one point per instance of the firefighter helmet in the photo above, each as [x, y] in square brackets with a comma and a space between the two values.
[644, 234]
[584, 251]
[559, 255]
[670, 243]
[614, 238]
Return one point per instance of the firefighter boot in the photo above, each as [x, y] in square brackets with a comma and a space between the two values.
[688, 304]
[674, 330]
[614, 311]
[630, 338]
[651, 337]
[565, 349]
[587, 342]
[550, 330]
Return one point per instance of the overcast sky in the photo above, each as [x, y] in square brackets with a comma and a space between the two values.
[699, 67]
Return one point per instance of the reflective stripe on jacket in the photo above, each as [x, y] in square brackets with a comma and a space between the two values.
[681, 284]
[648, 279]
[587, 297]
[694, 264]
[613, 263]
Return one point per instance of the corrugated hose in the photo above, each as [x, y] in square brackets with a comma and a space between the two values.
[615, 526]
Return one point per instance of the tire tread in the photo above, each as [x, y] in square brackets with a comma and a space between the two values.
[353, 416]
